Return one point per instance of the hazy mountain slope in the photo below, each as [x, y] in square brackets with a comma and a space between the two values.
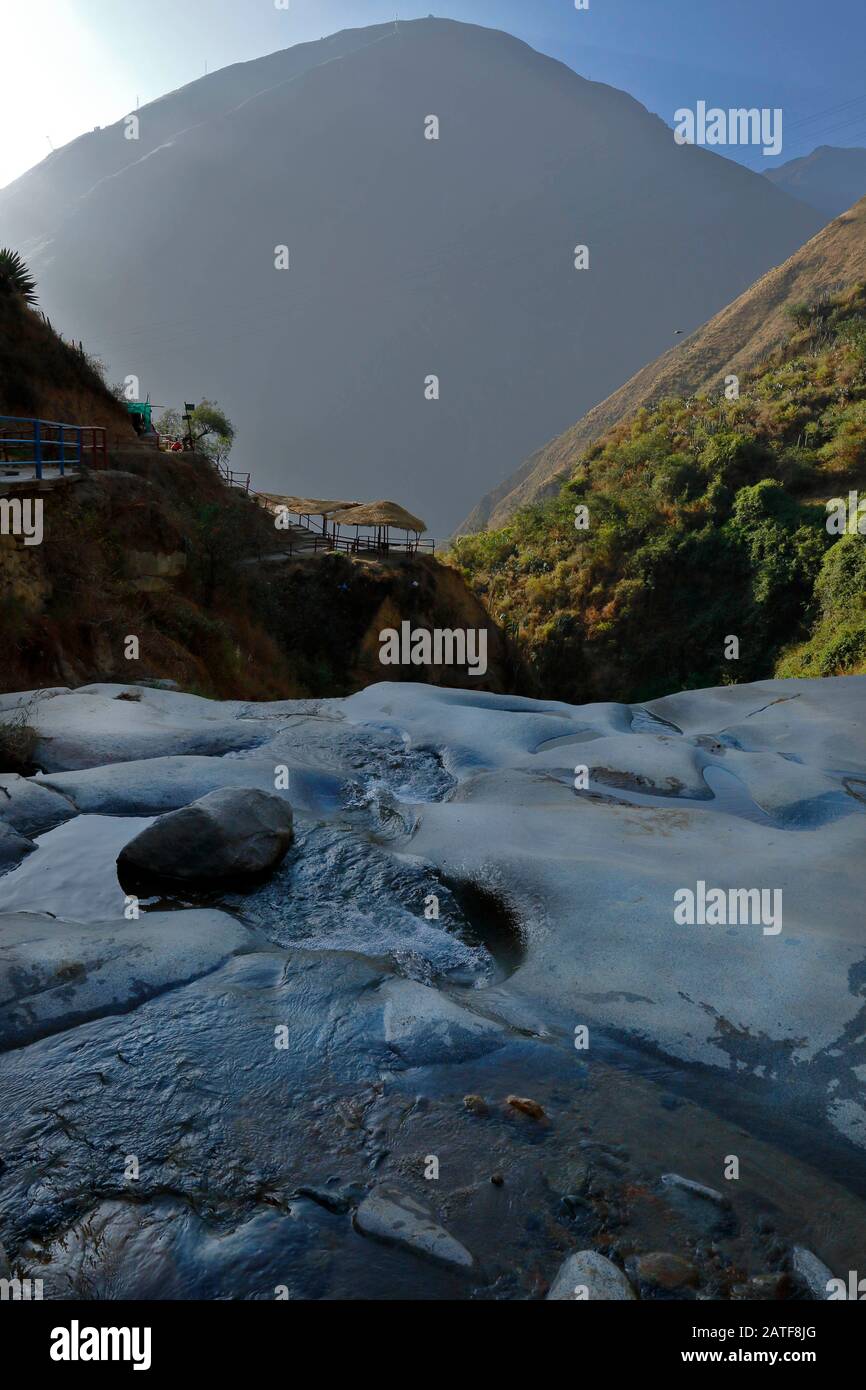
[732, 341]
[705, 519]
[408, 257]
[829, 179]
[43, 197]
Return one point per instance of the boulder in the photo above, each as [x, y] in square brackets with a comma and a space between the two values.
[392, 1216]
[588, 1275]
[228, 836]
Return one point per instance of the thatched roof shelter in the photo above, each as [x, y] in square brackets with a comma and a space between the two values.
[306, 506]
[379, 514]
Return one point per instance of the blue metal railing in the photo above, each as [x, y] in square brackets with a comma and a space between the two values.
[31, 443]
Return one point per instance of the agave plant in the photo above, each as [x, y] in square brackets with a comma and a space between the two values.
[15, 278]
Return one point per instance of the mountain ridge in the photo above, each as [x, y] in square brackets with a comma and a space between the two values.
[830, 179]
[409, 258]
[731, 341]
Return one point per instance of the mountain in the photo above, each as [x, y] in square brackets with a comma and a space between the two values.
[731, 342]
[692, 544]
[158, 545]
[829, 179]
[408, 257]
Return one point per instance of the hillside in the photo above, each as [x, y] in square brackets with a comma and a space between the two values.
[44, 377]
[830, 180]
[707, 520]
[733, 341]
[158, 547]
[408, 257]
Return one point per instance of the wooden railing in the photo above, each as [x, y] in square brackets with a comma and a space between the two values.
[37, 444]
[322, 538]
[355, 545]
[233, 478]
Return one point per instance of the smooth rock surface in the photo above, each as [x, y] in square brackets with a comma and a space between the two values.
[30, 808]
[13, 848]
[56, 974]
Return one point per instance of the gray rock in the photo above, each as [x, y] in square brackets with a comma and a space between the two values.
[393, 1216]
[5, 1269]
[811, 1272]
[694, 1189]
[231, 834]
[31, 808]
[56, 974]
[13, 848]
[594, 1273]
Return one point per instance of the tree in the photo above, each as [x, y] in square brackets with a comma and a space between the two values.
[212, 431]
[15, 278]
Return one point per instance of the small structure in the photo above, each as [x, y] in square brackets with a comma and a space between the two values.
[304, 508]
[48, 450]
[141, 414]
[381, 517]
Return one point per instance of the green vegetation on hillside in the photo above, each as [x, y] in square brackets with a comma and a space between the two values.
[707, 519]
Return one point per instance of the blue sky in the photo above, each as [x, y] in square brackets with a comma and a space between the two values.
[96, 57]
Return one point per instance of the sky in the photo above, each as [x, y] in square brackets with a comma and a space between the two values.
[85, 63]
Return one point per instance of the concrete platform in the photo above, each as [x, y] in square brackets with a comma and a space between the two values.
[14, 476]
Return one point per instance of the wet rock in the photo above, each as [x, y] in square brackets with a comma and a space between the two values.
[13, 848]
[55, 974]
[588, 1275]
[497, 1179]
[701, 1207]
[233, 834]
[5, 1269]
[663, 1274]
[423, 1026]
[396, 1218]
[526, 1106]
[476, 1105]
[30, 808]
[811, 1273]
